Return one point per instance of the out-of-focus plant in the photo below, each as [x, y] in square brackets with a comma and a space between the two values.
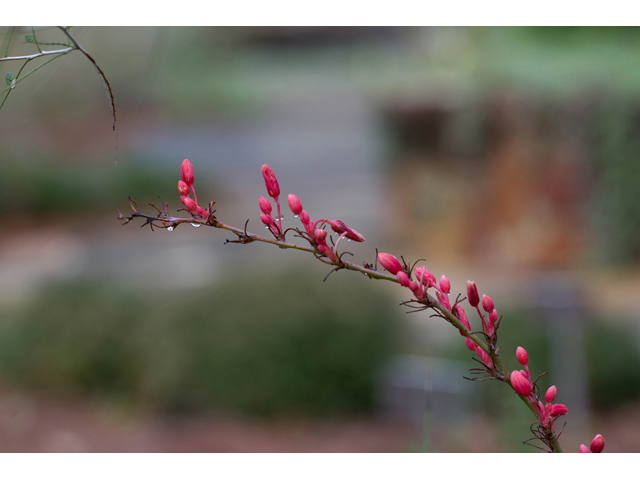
[314, 355]
[428, 293]
[40, 188]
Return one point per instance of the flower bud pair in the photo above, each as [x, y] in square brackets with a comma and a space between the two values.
[597, 445]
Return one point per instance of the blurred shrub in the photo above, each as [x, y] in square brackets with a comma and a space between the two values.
[614, 146]
[51, 187]
[286, 344]
[613, 359]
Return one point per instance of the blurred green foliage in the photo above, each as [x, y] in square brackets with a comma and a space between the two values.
[614, 145]
[613, 359]
[47, 187]
[280, 345]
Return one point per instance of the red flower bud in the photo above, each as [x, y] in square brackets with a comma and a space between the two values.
[484, 357]
[472, 293]
[558, 409]
[320, 235]
[340, 227]
[487, 303]
[445, 285]
[550, 396]
[403, 278]
[520, 384]
[493, 316]
[389, 262]
[424, 275]
[413, 286]
[443, 298]
[304, 217]
[326, 250]
[265, 205]
[294, 204]
[522, 356]
[584, 449]
[462, 316]
[273, 189]
[310, 228]
[471, 345]
[189, 203]
[266, 218]
[597, 444]
[183, 188]
[202, 212]
[186, 172]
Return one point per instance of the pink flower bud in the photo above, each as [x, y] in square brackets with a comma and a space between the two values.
[189, 203]
[390, 262]
[472, 293]
[294, 204]
[493, 316]
[558, 410]
[471, 345]
[424, 275]
[520, 384]
[522, 356]
[487, 303]
[484, 357]
[186, 172]
[309, 227]
[273, 189]
[403, 278]
[445, 285]
[584, 449]
[597, 444]
[304, 217]
[265, 205]
[202, 212]
[266, 218]
[550, 396]
[413, 286]
[340, 227]
[183, 188]
[462, 316]
[326, 250]
[320, 235]
[443, 298]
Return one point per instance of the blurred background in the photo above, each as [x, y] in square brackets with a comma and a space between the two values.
[504, 155]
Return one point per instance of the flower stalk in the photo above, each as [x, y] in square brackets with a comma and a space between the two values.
[483, 343]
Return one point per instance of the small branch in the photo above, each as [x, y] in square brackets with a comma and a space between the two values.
[62, 51]
[106, 83]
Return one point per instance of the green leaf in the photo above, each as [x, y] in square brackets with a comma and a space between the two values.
[10, 79]
[30, 38]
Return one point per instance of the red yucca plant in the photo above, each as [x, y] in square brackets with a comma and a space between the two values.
[426, 292]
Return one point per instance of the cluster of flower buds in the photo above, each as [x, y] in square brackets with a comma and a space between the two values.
[185, 187]
[316, 234]
[597, 445]
[524, 386]
[426, 280]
